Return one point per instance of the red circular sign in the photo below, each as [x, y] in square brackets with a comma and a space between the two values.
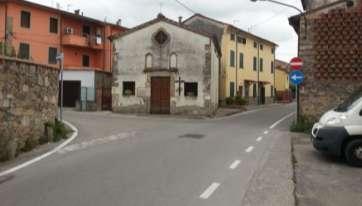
[296, 63]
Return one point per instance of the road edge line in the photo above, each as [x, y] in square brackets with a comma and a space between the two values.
[281, 120]
[45, 155]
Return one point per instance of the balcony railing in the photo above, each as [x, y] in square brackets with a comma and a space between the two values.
[87, 41]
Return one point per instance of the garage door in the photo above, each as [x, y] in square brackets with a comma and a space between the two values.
[71, 93]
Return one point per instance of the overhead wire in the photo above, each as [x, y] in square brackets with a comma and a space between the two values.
[185, 6]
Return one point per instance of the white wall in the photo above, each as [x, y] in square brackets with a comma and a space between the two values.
[191, 62]
[86, 77]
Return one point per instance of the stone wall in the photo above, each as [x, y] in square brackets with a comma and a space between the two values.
[332, 51]
[28, 99]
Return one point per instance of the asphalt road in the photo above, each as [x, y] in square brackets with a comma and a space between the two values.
[149, 161]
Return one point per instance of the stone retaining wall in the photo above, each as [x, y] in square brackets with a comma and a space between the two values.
[28, 99]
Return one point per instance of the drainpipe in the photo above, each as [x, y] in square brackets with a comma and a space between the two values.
[274, 93]
[258, 82]
[6, 29]
[236, 63]
[60, 32]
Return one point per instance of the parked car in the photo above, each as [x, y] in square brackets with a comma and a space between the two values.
[339, 131]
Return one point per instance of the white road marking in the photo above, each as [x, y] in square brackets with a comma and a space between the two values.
[235, 164]
[281, 120]
[259, 139]
[94, 142]
[266, 132]
[43, 156]
[249, 149]
[208, 192]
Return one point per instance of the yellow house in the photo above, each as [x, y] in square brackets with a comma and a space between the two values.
[247, 63]
[281, 76]
[282, 83]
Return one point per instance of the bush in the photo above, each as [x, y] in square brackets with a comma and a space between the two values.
[303, 126]
[60, 131]
[229, 101]
[240, 101]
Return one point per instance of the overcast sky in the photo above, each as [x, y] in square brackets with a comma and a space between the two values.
[265, 19]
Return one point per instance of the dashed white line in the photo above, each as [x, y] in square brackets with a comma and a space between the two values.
[208, 192]
[235, 164]
[266, 132]
[259, 139]
[249, 149]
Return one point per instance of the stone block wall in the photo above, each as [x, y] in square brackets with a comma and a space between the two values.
[331, 46]
[28, 99]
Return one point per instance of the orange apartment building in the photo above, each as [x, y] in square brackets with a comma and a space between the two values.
[38, 33]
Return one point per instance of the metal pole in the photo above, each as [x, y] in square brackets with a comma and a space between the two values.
[61, 88]
[258, 68]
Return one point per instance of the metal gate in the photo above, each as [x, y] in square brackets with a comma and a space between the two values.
[106, 98]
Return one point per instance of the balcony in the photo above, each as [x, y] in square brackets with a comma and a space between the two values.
[83, 41]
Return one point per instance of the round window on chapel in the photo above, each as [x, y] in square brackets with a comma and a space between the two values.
[161, 37]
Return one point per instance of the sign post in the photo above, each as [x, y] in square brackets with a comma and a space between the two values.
[60, 58]
[297, 77]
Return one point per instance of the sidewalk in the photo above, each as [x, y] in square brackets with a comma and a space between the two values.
[272, 184]
[324, 180]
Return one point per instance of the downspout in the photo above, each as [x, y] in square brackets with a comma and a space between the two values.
[258, 82]
[236, 64]
[104, 47]
[6, 30]
[274, 89]
[61, 32]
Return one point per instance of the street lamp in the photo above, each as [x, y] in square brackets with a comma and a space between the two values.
[281, 3]
[349, 3]
[299, 33]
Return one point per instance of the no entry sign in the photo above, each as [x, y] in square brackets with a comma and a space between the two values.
[296, 63]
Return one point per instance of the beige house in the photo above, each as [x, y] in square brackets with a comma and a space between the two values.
[247, 63]
[165, 67]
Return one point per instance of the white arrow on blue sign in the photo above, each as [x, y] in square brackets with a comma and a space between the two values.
[296, 77]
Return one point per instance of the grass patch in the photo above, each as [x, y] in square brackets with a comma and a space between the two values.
[59, 130]
[303, 126]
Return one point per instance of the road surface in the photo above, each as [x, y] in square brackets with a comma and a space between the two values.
[150, 161]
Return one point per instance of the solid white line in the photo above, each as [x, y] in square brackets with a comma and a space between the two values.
[37, 159]
[235, 164]
[259, 139]
[281, 120]
[249, 149]
[211, 189]
[237, 114]
[266, 132]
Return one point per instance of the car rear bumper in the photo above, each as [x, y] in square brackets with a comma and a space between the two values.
[328, 139]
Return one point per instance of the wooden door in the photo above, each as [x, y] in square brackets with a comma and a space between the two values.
[160, 95]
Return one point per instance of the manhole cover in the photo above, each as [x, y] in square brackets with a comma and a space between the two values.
[192, 136]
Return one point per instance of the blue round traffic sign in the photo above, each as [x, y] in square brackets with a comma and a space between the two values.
[296, 77]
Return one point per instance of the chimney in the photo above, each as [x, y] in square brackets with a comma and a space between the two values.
[77, 12]
[119, 22]
[180, 19]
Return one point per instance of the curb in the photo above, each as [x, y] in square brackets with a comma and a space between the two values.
[43, 156]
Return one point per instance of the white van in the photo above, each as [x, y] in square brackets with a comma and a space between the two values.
[339, 131]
